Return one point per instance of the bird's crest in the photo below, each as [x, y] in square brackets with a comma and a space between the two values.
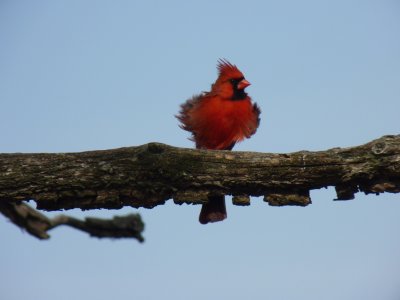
[226, 69]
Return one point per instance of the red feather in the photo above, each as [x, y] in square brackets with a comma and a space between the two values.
[225, 68]
[218, 120]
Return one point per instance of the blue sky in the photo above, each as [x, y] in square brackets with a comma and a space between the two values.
[87, 75]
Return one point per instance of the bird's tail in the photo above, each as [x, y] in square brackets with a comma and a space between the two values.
[214, 210]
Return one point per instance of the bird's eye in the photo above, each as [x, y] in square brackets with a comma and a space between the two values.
[235, 81]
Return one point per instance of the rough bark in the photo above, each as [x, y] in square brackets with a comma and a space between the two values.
[148, 175]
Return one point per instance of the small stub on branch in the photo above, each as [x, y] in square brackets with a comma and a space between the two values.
[345, 192]
[302, 199]
[241, 200]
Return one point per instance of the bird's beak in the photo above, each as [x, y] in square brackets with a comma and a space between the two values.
[243, 84]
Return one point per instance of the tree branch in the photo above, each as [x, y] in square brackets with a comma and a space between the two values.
[37, 224]
[148, 175]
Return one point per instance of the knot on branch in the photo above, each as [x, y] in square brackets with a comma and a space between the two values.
[379, 148]
[385, 145]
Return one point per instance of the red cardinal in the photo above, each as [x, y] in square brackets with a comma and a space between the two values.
[218, 120]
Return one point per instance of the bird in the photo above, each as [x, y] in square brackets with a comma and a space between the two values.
[217, 120]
